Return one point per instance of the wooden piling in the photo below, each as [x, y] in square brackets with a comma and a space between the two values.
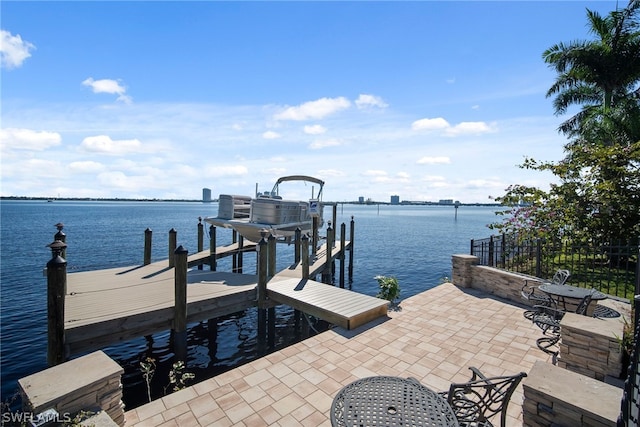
[240, 254]
[212, 248]
[314, 236]
[234, 257]
[296, 246]
[263, 254]
[304, 249]
[343, 233]
[148, 236]
[56, 291]
[352, 241]
[271, 270]
[180, 303]
[173, 239]
[200, 238]
[326, 272]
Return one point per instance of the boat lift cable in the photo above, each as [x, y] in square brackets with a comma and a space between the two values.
[306, 316]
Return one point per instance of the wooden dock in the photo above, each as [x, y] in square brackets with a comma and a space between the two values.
[106, 307]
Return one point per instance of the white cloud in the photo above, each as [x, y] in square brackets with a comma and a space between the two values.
[430, 124]
[27, 139]
[271, 135]
[469, 128]
[103, 144]
[225, 171]
[86, 167]
[314, 129]
[365, 101]
[108, 86]
[441, 160]
[314, 110]
[13, 50]
[324, 143]
[462, 128]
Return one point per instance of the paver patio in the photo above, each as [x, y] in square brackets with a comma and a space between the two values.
[434, 337]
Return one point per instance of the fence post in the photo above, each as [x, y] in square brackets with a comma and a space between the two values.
[56, 291]
[491, 263]
[538, 257]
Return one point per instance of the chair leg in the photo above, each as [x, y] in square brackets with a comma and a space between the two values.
[547, 344]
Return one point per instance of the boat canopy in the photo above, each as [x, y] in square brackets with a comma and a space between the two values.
[298, 178]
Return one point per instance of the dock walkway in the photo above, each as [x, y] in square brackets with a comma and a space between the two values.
[105, 307]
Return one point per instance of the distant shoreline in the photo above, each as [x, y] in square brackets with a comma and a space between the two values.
[115, 199]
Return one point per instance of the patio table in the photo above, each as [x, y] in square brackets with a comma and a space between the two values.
[561, 292]
[390, 401]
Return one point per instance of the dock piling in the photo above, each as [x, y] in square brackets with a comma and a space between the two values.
[173, 238]
[60, 236]
[56, 291]
[148, 236]
[343, 233]
[200, 238]
[271, 270]
[305, 257]
[212, 248]
[352, 241]
[180, 303]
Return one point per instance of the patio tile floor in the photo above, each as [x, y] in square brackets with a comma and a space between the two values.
[434, 337]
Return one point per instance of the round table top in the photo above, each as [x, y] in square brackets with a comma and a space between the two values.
[568, 291]
[390, 401]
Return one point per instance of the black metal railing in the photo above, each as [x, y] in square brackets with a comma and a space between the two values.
[612, 268]
[629, 412]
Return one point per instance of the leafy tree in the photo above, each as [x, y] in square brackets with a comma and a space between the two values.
[598, 194]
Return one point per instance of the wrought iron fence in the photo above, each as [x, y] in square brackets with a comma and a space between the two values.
[629, 412]
[612, 268]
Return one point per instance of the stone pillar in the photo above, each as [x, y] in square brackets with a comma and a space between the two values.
[88, 383]
[461, 272]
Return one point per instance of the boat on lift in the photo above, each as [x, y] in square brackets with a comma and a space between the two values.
[270, 212]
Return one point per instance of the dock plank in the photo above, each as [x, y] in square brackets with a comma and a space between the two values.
[336, 305]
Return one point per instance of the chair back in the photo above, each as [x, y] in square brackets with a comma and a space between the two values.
[583, 305]
[482, 398]
[561, 277]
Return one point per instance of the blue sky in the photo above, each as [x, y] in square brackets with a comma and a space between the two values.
[424, 100]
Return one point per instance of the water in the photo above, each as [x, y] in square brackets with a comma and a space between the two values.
[412, 243]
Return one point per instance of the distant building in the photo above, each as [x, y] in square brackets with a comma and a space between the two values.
[395, 200]
[446, 201]
[206, 195]
[361, 199]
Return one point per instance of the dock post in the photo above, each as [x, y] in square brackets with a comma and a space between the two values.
[343, 233]
[326, 272]
[262, 287]
[234, 257]
[240, 252]
[335, 215]
[314, 236]
[351, 243]
[200, 238]
[148, 236]
[173, 238]
[62, 238]
[296, 246]
[56, 291]
[271, 270]
[305, 257]
[212, 248]
[271, 328]
[180, 303]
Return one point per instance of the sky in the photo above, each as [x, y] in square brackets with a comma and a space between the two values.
[426, 100]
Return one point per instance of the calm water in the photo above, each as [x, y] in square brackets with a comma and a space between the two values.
[414, 244]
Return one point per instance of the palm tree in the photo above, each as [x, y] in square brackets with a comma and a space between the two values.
[600, 75]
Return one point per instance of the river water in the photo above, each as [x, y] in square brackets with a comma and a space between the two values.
[412, 243]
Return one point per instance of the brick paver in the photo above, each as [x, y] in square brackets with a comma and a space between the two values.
[434, 337]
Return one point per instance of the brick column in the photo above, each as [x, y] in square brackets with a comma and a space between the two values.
[461, 273]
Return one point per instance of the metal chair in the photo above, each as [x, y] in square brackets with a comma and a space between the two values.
[481, 398]
[528, 293]
[548, 318]
[561, 277]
